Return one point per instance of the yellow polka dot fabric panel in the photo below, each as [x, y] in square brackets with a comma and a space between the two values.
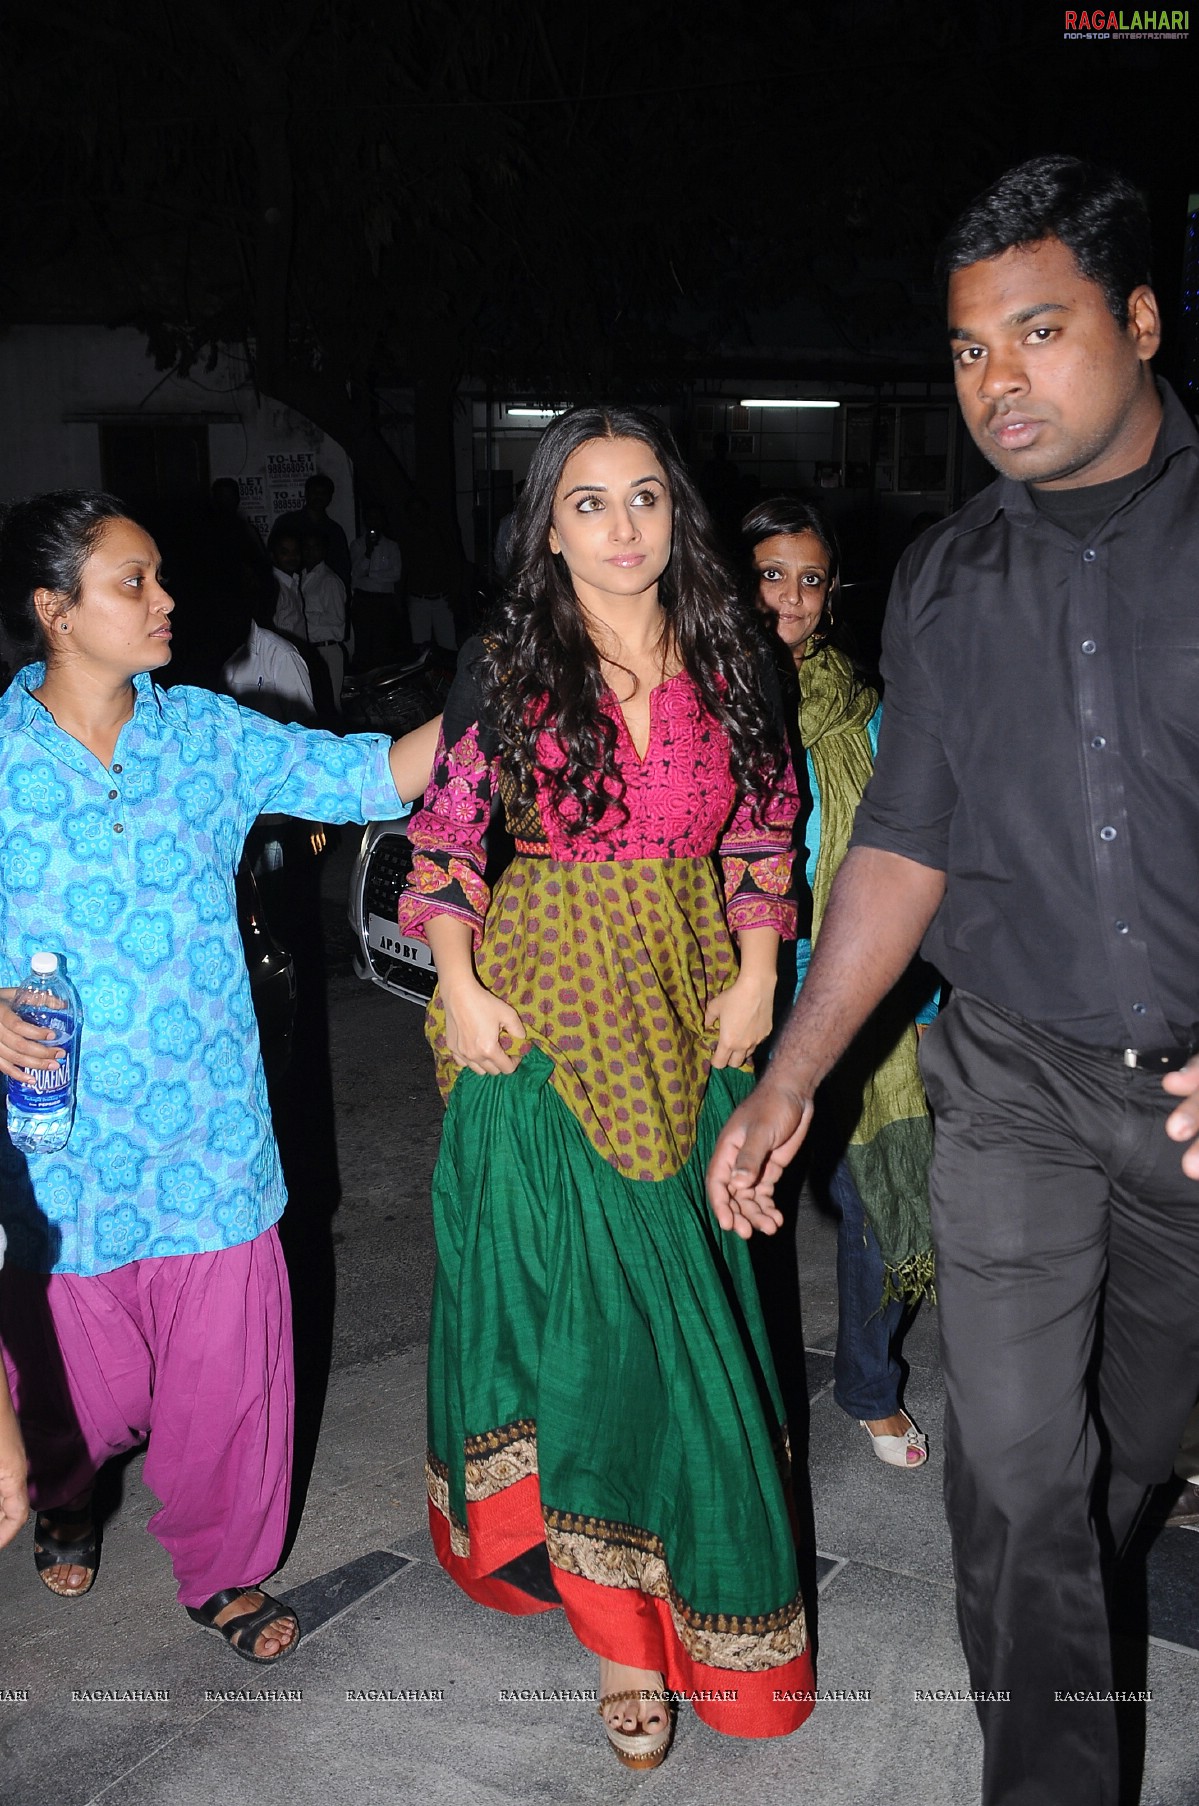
[610, 966]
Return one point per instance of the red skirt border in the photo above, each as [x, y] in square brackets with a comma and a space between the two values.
[619, 1623]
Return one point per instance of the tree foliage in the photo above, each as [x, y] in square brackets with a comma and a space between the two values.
[375, 193]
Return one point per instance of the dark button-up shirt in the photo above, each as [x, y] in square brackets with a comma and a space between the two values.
[1040, 745]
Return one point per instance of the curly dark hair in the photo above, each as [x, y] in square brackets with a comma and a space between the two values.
[541, 655]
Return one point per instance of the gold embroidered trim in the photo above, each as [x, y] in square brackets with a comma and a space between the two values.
[609, 1553]
[621, 1555]
[437, 1485]
[500, 1458]
[517, 1431]
[495, 1460]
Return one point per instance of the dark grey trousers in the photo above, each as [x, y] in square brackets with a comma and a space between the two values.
[1068, 1285]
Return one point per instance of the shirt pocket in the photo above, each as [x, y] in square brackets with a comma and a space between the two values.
[1166, 666]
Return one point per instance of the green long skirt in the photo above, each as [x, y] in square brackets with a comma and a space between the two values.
[600, 1383]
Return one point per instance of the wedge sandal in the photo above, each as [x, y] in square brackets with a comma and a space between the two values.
[639, 1749]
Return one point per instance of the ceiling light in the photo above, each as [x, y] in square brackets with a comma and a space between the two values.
[774, 401]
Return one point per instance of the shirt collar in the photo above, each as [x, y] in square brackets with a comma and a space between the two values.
[1175, 433]
[32, 713]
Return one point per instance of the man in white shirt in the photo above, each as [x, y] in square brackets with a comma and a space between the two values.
[310, 606]
[267, 673]
[376, 563]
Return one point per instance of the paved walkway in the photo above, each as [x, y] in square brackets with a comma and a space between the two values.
[455, 1715]
[403, 1690]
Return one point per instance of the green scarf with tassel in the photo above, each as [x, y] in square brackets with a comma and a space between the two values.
[876, 1089]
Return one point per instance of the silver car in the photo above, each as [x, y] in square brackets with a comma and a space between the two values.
[384, 955]
[391, 701]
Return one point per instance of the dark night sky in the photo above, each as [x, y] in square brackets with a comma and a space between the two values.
[526, 175]
[392, 194]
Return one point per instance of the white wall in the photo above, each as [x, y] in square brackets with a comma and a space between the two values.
[50, 374]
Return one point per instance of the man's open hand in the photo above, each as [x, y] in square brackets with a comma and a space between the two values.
[755, 1147]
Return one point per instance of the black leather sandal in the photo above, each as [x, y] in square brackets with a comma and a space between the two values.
[49, 1552]
[242, 1632]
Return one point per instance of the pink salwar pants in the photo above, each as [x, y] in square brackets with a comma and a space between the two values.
[193, 1351]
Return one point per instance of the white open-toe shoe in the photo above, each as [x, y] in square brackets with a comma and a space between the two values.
[908, 1450]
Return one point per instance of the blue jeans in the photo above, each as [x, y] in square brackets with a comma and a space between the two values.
[866, 1373]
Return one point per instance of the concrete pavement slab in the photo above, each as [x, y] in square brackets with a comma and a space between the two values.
[889, 1517]
[886, 1628]
[232, 1732]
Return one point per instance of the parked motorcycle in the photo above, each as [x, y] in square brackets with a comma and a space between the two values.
[396, 698]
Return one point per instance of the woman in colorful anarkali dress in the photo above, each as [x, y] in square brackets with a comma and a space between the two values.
[605, 1426]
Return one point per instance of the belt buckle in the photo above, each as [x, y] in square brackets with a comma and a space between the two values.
[1168, 1060]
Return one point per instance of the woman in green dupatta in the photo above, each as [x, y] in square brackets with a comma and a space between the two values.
[873, 1107]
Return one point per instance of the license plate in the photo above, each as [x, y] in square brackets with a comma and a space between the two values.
[383, 936]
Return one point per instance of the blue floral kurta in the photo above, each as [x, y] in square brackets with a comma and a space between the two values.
[128, 873]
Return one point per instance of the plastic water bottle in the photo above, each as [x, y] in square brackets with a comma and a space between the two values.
[41, 1106]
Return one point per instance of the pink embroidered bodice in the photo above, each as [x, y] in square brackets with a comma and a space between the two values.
[679, 802]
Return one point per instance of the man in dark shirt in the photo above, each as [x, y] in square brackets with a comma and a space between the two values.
[1033, 824]
[314, 517]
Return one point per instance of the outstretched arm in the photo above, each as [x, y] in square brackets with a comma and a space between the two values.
[878, 910]
[411, 760]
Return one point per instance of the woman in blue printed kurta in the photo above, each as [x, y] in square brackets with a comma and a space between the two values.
[123, 811]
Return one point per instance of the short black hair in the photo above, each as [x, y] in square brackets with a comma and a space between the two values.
[1098, 215]
[45, 542]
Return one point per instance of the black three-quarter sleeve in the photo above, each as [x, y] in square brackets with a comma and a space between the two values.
[909, 802]
[448, 834]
